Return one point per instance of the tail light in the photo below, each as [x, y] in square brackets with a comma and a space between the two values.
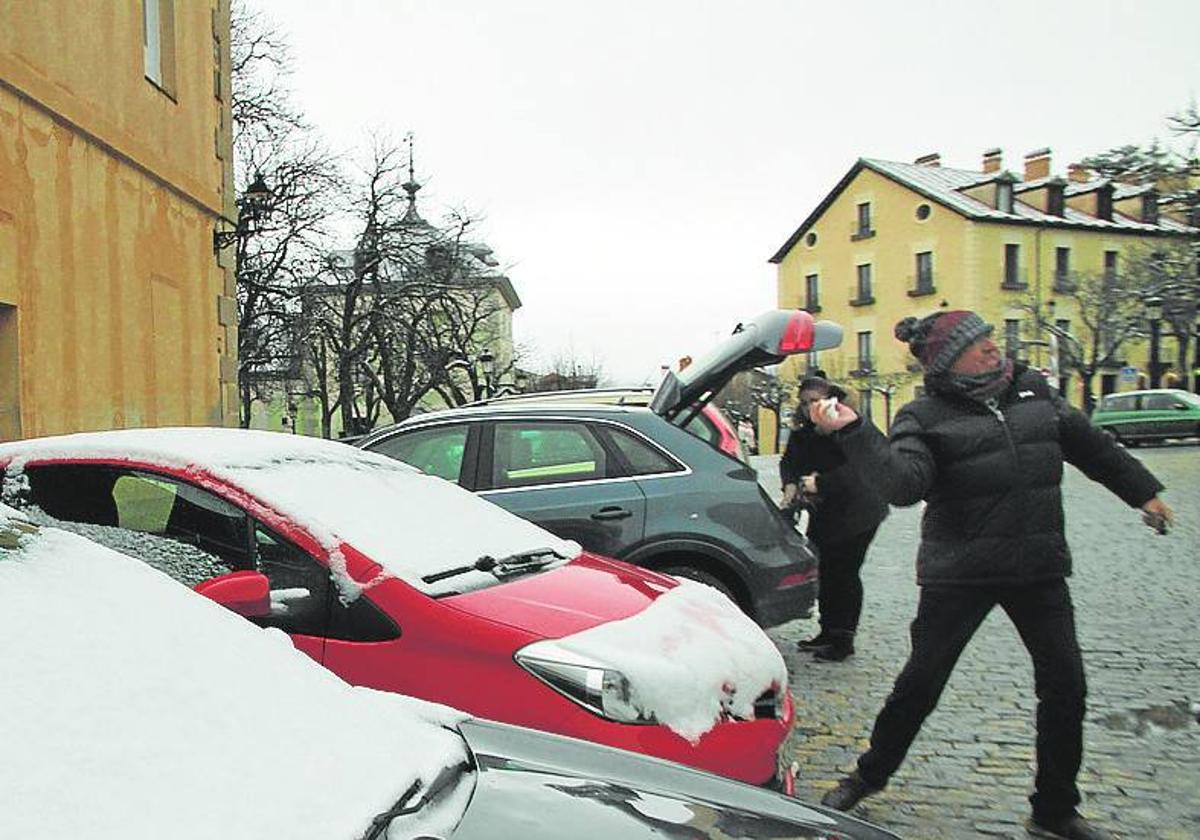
[798, 335]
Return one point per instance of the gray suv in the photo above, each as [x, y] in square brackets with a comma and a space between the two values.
[630, 482]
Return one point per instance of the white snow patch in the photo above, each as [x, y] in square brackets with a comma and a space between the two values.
[691, 658]
[131, 707]
[410, 523]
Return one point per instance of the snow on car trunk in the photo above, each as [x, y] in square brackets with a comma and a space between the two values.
[690, 658]
[131, 707]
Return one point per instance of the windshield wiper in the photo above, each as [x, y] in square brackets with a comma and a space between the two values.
[406, 805]
[513, 564]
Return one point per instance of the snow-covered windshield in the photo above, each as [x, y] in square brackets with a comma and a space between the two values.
[132, 707]
[412, 524]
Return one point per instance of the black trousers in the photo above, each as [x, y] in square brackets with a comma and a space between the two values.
[947, 618]
[840, 592]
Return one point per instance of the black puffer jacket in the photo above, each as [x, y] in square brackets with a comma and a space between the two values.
[992, 479]
[847, 504]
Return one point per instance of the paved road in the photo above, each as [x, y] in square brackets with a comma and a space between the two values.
[969, 772]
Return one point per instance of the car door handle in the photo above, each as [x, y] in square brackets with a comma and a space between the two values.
[608, 513]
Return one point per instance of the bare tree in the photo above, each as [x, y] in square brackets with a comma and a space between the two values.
[1110, 311]
[279, 241]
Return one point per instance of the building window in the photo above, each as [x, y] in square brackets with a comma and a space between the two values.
[1104, 203]
[810, 240]
[862, 227]
[923, 211]
[1004, 196]
[863, 295]
[812, 293]
[924, 276]
[1012, 267]
[865, 362]
[1055, 203]
[1062, 269]
[158, 43]
[1012, 337]
[1110, 266]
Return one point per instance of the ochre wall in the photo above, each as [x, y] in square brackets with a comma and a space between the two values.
[109, 192]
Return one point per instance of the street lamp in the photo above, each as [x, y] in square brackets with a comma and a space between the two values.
[487, 364]
[254, 204]
[1154, 313]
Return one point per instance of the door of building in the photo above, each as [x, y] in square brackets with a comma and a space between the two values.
[10, 378]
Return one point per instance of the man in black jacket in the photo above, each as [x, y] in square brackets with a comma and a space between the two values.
[984, 448]
[847, 512]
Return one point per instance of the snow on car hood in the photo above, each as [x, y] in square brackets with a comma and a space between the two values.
[691, 658]
[131, 707]
[410, 523]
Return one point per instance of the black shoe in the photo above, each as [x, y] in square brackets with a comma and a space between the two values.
[833, 653]
[819, 640]
[1073, 827]
[848, 793]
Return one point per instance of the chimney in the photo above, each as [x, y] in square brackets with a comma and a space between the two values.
[931, 159]
[1037, 165]
[1077, 173]
[991, 160]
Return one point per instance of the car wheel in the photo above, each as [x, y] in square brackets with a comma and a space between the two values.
[700, 576]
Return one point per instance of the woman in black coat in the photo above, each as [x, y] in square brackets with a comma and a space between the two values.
[847, 512]
[985, 448]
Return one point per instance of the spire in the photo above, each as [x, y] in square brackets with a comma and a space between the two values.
[411, 216]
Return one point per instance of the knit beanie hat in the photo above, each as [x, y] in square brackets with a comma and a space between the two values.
[938, 339]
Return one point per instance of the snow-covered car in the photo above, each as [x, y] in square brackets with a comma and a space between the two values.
[132, 708]
[404, 582]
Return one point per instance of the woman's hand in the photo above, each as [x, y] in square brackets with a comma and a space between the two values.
[789, 495]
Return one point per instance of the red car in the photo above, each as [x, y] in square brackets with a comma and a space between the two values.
[404, 582]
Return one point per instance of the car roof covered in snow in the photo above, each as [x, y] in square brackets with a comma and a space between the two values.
[410, 523]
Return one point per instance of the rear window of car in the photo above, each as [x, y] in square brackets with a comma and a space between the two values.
[438, 451]
[546, 453]
[1119, 402]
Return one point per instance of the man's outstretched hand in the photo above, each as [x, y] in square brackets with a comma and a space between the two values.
[1158, 515]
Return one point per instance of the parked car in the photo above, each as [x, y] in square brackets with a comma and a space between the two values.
[133, 708]
[404, 582]
[1136, 416]
[710, 424]
[634, 482]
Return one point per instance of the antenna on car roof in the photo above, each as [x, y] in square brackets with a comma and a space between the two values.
[738, 328]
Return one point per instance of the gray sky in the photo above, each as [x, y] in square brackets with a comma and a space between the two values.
[637, 163]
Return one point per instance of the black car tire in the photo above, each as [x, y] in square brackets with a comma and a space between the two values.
[700, 576]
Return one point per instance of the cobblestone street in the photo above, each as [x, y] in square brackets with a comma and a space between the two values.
[970, 770]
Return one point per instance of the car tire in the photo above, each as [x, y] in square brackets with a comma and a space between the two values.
[700, 576]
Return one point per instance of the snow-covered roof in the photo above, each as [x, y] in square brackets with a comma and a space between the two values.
[410, 523]
[946, 186]
[132, 707]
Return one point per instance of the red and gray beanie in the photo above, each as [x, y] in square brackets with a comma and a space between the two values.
[938, 339]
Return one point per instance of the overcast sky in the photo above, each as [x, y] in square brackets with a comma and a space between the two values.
[637, 163]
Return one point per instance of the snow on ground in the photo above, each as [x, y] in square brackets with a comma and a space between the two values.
[410, 523]
[132, 708]
[691, 657]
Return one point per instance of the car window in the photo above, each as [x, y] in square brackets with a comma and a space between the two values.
[437, 451]
[1119, 402]
[642, 458]
[304, 601]
[545, 453]
[138, 501]
[1158, 402]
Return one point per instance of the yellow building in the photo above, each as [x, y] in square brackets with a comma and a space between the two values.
[115, 170]
[895, 239]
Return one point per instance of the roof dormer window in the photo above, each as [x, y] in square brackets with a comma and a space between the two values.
[1150, 207]
[1104, 202]
[1055, 202]
[1004, 196]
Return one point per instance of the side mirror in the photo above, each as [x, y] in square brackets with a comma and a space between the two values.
[245, 593]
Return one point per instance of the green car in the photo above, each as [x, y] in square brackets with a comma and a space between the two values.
[1136, 416]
